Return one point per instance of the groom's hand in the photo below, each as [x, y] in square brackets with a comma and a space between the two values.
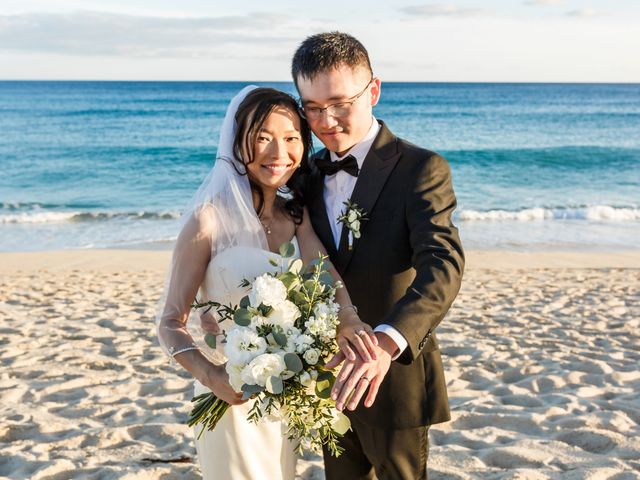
[357, 376]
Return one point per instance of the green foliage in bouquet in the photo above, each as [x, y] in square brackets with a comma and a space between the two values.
[285, 329]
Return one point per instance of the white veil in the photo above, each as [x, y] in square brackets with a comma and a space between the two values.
[220, 215]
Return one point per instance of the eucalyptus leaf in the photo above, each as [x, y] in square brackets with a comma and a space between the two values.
[315, 262]
[250, 390]
[289, 279]
[296, 265]
[271, 340]
[298, 298]
[310, 285]
[287, 250]
[293, 362]
[242, 317]
[245, 302]
[280, 338]
[211, 340]
[326, 278]
[274, 385]
[324, 384]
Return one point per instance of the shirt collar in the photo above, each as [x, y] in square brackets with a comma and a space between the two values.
[360, 149]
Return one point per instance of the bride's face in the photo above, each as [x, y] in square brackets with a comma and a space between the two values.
[277, 150]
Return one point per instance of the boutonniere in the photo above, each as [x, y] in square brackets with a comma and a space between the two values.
[352, 217]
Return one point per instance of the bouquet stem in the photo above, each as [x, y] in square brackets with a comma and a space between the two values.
[208, 410]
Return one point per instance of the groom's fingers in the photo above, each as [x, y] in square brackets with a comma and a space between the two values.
[373, 391]
[346, 383]
[361, 387]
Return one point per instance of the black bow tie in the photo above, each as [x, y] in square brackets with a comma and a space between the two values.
[349, 164]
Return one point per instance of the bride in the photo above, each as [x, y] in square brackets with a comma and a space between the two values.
[231, 230]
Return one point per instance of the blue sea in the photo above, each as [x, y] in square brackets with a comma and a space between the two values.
[111, 164]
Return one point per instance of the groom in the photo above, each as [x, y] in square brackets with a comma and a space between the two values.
[402, 273]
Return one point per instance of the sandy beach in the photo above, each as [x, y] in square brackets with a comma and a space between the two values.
[541, 351]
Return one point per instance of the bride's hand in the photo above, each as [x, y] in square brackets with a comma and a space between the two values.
[218, 382]
[209, 324]
[355, 336]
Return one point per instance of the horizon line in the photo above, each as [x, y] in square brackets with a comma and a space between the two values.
[470, 82]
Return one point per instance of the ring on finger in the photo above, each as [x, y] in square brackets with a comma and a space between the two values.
[365, 379]
[361, 331]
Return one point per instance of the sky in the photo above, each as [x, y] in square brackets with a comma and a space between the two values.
[249, 40]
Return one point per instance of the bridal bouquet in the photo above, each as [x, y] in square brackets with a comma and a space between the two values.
[285, 328]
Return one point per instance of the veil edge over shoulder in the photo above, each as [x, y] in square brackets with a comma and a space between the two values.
[222, 212]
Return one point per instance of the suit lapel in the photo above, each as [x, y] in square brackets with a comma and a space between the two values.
[376, 168]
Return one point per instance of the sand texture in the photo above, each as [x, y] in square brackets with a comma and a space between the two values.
[542, 354]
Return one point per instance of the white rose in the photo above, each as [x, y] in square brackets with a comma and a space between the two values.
[284, 315]
[243, 344]
[311, 356]
[267, 290]
[352, 216]
[262, 367]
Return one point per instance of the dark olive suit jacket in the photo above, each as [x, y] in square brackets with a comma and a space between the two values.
[404, 270]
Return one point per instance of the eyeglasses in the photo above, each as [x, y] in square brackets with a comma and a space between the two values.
[338, 110]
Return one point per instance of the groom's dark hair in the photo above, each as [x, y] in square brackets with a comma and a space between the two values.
[325, 51]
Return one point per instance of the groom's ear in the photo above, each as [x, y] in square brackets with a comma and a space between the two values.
[375, 91]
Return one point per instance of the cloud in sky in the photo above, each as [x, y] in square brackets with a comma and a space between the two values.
[544, 3]
[442, 10]
[584, 13]
[98, 33]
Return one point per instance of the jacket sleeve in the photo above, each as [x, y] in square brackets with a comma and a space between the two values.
[437, 256]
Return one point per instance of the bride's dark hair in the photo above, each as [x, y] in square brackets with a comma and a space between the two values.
[251, 115]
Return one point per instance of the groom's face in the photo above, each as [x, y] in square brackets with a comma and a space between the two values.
[340, 86]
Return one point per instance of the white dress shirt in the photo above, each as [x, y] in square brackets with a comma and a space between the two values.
[337, 190]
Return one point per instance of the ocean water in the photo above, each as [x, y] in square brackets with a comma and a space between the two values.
[111, 164]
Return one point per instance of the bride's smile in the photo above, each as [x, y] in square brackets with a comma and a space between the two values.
[277, 150]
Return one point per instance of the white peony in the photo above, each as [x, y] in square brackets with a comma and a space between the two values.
[235, 376]
[284, 315]
[303, 342]
[258, 321]
[262, 367]
[243, 344]
[267, 290]
[311, 356]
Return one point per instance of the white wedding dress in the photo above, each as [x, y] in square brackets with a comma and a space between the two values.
[238, 449]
